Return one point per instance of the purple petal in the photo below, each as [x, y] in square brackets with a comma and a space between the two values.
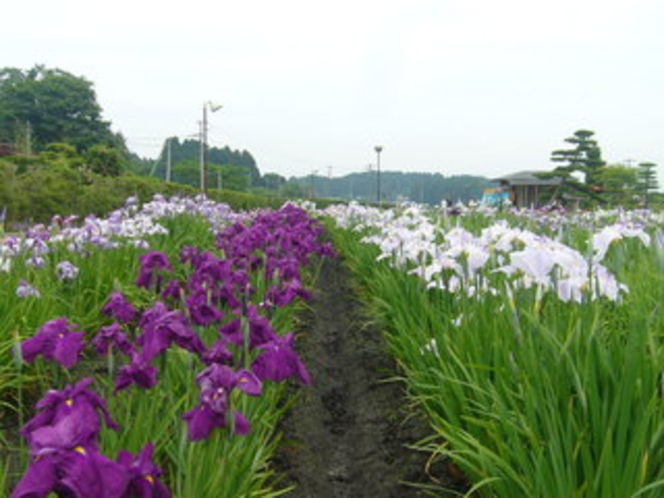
[39, 479]
[248, 383]
[68, 348]
[36, 345]
[242, 426]
[201, 421]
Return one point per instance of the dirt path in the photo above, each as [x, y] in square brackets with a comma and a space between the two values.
[345, 438]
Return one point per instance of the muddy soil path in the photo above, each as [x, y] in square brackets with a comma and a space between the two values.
[347, 435]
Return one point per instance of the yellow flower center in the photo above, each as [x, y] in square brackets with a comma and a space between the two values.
[81, 450]
[69, 402]
[149, 478]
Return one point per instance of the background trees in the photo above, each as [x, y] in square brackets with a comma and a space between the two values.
[40, 106]
[647, 181]
[580, 170]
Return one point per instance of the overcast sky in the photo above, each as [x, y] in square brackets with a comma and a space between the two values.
[484, 87]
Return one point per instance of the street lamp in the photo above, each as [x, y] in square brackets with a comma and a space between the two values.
[204, 169]
[378, 149]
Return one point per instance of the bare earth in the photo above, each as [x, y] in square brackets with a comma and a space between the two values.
[347, 435]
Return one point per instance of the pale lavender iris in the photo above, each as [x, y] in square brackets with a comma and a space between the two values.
[66, 271]
[25, 290]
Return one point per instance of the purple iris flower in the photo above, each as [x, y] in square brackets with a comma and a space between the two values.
[216, 383]
[218, 353]
[232, 332]
[173, 290]
[260, 330]
[78, 403]
[109, 336]
[56, 340]
[140, 372]
[190, 254]
[143, 474]
[152, 265]
[162, 327]
[119, 307]
[278, 361]
[63, 463]
[201, 311]
[282, 295]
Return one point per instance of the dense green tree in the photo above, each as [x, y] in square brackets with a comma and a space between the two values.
[104, 160]
[41, 106]
[273, 181]
[185, 165]
[619, 184]
[186, 173]
[647, 181]
[229, 177]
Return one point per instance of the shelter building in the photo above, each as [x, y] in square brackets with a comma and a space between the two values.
[526, 189]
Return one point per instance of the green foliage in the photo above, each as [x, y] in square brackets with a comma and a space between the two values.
[619, 183]
[584, 159]
[533, 396]
[104, 160]
[647, 181]
[58, 182]
[41, 106]
[185, 165]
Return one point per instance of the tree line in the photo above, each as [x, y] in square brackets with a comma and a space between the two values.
[586, 179]
[52, 132]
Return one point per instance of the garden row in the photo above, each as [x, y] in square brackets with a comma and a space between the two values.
[144, 354]
[533, 342]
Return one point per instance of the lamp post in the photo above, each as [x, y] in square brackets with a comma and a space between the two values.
[378, 149]
[204, 168]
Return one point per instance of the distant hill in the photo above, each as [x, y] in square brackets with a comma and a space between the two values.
[428, 188]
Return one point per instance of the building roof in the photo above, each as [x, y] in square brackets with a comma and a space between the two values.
[526, 178]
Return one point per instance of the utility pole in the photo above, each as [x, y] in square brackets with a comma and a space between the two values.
[378, 149]
[28, 138]
[202, 153]
[204, 166]
[168, 159]
[329, 182]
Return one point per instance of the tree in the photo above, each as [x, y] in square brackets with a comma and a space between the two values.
[104, 160]
[230, 177]
[647, 181]
[273, 181]
[41, 106]
[584, 160]
[619, 183]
